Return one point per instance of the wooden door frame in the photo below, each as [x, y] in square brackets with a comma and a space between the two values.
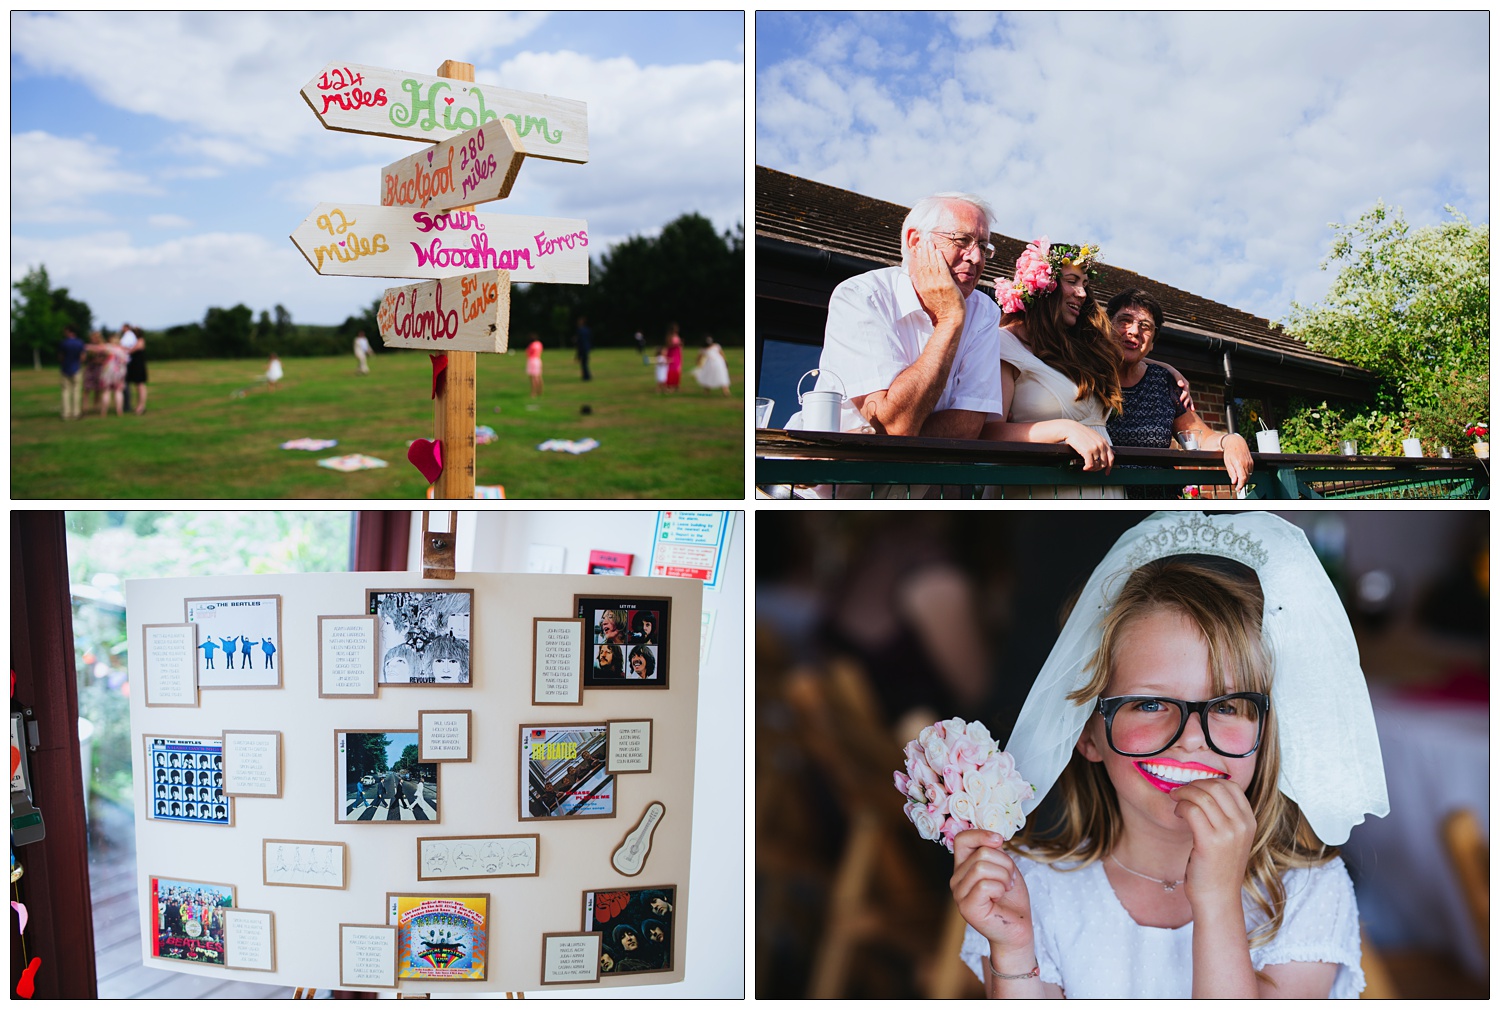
[55, 884]
[382, 541]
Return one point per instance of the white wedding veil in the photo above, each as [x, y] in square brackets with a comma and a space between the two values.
[1330, 756]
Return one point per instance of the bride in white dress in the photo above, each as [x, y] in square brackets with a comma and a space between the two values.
[712, 371]
[1058, 365]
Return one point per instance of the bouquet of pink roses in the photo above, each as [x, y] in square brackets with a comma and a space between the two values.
[957, 778]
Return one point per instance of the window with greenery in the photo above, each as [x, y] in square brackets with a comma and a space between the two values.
[106, 548]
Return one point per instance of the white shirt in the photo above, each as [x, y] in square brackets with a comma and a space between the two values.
[877, 329]
[1090, 946]
[129, 340]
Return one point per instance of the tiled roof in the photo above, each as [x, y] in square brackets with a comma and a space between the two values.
[822, 217]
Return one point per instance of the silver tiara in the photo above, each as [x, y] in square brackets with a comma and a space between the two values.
[1199, 534]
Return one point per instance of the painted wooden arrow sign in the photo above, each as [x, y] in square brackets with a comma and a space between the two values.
[470, 312]
[358, 240]
[393, 103]
[470, 168]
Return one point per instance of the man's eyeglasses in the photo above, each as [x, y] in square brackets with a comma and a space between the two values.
[963, 243]
[1141, 725]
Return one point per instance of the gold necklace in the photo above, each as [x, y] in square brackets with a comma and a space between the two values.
[1166, 885]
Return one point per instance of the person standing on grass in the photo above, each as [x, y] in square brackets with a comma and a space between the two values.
[93, 367]
[712, 371]
[112, 377]
[674, 358]
[135, 370]
[584, 340]
[71, 352]
[362, 352]
[534, 366]
[661, 370]
[273, 372]
[640, 346]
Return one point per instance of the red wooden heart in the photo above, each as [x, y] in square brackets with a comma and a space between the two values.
[439, 373]
[26, 987]
[427, 457]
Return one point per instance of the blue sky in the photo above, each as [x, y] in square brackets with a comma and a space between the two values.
[1206, 151]
[159, 161]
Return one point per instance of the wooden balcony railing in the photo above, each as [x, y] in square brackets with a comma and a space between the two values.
[791, 464]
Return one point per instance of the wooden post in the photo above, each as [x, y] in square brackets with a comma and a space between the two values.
[454, 412]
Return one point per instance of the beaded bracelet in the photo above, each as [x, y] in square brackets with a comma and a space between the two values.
[1033, 973]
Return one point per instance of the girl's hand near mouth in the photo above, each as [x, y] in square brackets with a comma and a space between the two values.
[1223, 827]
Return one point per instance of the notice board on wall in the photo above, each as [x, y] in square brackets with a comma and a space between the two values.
[386, 782]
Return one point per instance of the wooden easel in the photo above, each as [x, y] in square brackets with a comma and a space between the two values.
[439, 546]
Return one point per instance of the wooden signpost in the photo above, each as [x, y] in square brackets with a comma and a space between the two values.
[472, 167]
[393, 103]
[426, 226]
[466, 313]
[361, 240]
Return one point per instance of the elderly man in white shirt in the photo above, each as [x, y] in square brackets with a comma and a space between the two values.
[915, 348]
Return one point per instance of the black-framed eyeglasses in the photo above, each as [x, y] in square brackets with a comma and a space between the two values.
[1139, 725]
[963, 243]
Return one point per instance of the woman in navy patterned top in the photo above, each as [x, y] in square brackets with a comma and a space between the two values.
[1153, 412]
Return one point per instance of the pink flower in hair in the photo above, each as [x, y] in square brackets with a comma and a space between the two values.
[1010, 300]
[1037, 270]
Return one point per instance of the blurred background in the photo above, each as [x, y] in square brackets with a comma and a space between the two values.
[870, 625]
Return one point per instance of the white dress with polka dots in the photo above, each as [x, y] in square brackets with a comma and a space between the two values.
[1090, 946]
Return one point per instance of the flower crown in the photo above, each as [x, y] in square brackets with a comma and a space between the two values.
[1037, 270]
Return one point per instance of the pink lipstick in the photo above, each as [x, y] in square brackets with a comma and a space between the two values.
[1167, 775]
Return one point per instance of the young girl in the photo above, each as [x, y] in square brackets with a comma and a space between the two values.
[661, 369]
[534, 366]
[1189, 699]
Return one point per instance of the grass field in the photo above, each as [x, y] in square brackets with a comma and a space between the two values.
[197, 441]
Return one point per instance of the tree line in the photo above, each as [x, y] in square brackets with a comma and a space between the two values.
[689, 274]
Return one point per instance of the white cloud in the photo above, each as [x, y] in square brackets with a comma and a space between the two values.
[354, 184]
[663, 140]
[53, 178]
[1206, 151]
[168, 221]
[238, 75]
[217, 149]
[122, 279]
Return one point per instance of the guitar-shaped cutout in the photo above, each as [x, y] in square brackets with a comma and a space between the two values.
[630, 857]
